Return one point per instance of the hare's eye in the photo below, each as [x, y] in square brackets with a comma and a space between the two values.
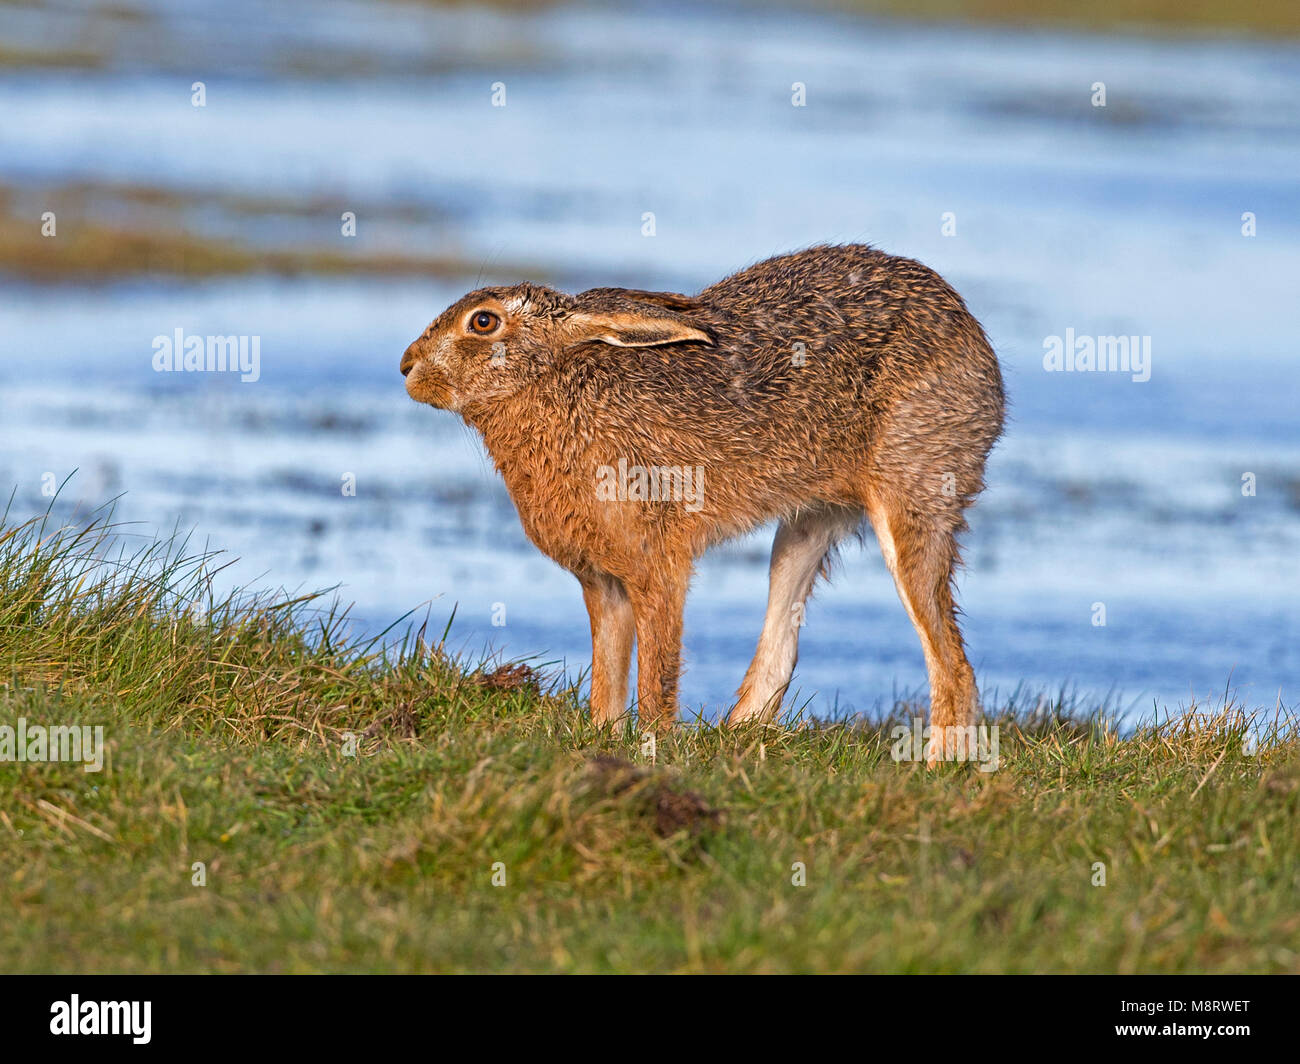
[484, 321]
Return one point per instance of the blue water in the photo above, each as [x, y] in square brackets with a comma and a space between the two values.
[1117, 220]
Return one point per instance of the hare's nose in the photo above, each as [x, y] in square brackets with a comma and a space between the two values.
[408, 360]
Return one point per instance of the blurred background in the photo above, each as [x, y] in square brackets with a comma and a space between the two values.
[167, 164]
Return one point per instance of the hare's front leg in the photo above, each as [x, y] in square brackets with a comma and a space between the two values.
[798, 554]
[611, 646]
[658, 599]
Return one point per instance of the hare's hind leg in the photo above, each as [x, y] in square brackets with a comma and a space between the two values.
[798, 556]
[921, 552]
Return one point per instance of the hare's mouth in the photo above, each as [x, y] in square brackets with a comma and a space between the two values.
[426, 385]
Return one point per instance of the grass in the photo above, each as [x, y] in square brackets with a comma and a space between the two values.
[227, 721]
[1259, 17]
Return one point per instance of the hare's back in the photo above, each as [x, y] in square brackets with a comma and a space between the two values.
[846, 297]
[809, 344]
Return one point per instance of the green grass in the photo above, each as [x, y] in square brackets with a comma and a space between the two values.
[226, 721]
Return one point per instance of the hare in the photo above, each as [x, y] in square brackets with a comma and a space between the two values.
[826, 389]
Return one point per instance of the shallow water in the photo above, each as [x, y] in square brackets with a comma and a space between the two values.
[1117, 220]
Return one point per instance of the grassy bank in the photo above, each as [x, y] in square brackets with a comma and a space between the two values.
[1259, 17]
[227, 723]
[117, 231]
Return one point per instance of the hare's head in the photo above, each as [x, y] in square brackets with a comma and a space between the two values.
[496, 341]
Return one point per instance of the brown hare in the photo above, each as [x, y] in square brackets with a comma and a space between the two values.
[636, 429]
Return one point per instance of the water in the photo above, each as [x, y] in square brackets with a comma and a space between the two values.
[1118, 220]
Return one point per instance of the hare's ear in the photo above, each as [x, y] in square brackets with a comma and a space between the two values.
[629, 317]
[635, 326]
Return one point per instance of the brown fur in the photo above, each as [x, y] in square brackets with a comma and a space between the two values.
[886, 413]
